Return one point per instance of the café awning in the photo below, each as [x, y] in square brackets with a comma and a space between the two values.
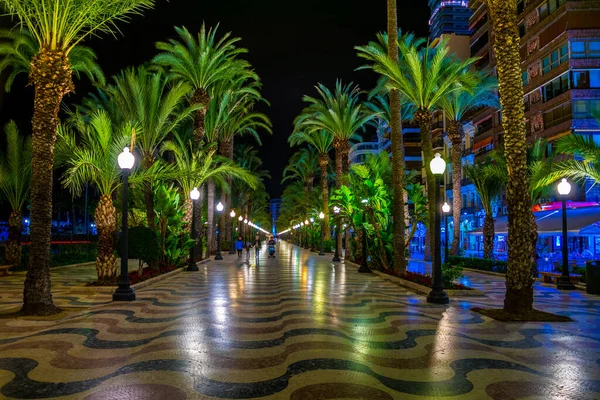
[584, 221]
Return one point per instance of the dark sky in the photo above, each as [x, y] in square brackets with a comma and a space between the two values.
[292, 46]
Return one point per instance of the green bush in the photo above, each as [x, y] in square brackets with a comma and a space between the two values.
[143, 245]
[63, 254]
[482, 264]
[450, 274]
[328, 245]
[582, 272]
[225, 245]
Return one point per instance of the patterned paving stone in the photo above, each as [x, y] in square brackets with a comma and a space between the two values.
[295, 327]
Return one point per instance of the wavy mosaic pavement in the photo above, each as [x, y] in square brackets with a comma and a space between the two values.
[295, 327]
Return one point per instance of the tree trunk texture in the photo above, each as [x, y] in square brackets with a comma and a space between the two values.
[519, 283]
[534, 239]
[211, 240]
[200, 97]
[51, 77]
[339, 170]
[488, 235]
[188, 213]
[323, 162]
[226, 150]
[456, 134]
[105, 218]
[13, 245]
[398, 166]
[149, 195]
[423, 119]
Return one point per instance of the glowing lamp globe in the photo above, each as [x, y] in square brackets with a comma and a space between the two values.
[240, 218]
[245, 221]
[564, 187]
[446, 207]
[306, 222]
[220, 207]
[232, 214]
[301, 223]
[312, 220]
[336, 209]
[437, 165]
[364, 201]
[126, 159]
[321, 215]
[194, 194]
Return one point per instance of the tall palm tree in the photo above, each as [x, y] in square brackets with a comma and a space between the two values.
[423, 75]
[203, 62]
[507, 42]
[93, 160]
[586, 167]
[58, 29]
[340, 113]
[146, 98]
[488, 188]
[15, 172]
[456, 105]
[322, 142]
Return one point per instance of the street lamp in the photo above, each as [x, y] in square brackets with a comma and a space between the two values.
[446, 210]
[306, 244]
[437, 294]
[564, 281]
[231, 245]
[218, 256]
[364, 266]
[322, 218]
[125, 292]
[194, 195]
[336, 254]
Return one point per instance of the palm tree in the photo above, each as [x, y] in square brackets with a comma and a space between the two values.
[58, 29]
[15, 172]
[322, 141]
[244, 197]
[156, 107]
[507, 42]
[423, 75]
[456, 105]
[93, 160]
[341, 114]
[204, 63]
[488, 188]
[585, 168]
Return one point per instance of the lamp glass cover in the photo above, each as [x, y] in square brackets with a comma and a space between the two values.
[564, 187]
[126, 159]
[220, 207]
[446, 207]
[195, 194]
[437, 165]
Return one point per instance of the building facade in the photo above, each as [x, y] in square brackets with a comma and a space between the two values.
[274, 208]
[449, 17]
[560, 54]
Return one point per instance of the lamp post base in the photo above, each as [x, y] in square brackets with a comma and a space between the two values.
[564, 283]
[438, 296]
[232, 251]
[192, 267]
[364, 269]
[321, 253]
[336, 258]
[124, 294]
[218, 256]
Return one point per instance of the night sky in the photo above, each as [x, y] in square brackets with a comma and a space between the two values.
[292, 46]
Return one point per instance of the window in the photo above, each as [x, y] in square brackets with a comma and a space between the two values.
[520, 6]
[585, 49]
[555, 58]
[586, 79]
[543, 10]
[557, 115]
[556, 87]
[586, 109]
[548, 7]
[527, 103]
[525, 78]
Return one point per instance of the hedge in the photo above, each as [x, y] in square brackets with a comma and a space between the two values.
[482, 264]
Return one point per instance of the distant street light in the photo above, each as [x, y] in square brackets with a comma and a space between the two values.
[564, 281]
[218, 256]
[231, 245]
[125, 292]
[192, 266]
[437, 294]
[322, 218]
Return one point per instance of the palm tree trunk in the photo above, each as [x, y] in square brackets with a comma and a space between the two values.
[455, 134]
[51, 77]
[211, 240]
[423, 119]
[13, 245]
[105, 218]
[226, 150]
[323, 162]
[188, 212]
[519, 283]
[200, 97]
[199, 223]
[488, 235]
[339, 171]
[534, 239]
[398, 167]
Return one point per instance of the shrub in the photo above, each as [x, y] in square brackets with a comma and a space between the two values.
[143, 245]
[328, 245]
[450, 274]
[482, 264]
[582, 272]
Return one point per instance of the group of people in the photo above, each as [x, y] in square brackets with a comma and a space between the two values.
[240, 245]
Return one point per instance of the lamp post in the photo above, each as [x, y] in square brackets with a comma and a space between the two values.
[125, 292]
[240, 227]
[300, 237]
[322, 218]
[364, 266]
[437, 294]
[231, 245]
[245, 230]
[218, 256]
[446, 210]
[306, 244]
[564, 281]
[194, 195]
[336, 254]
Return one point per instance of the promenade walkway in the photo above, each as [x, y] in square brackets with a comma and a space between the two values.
[299, 327]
